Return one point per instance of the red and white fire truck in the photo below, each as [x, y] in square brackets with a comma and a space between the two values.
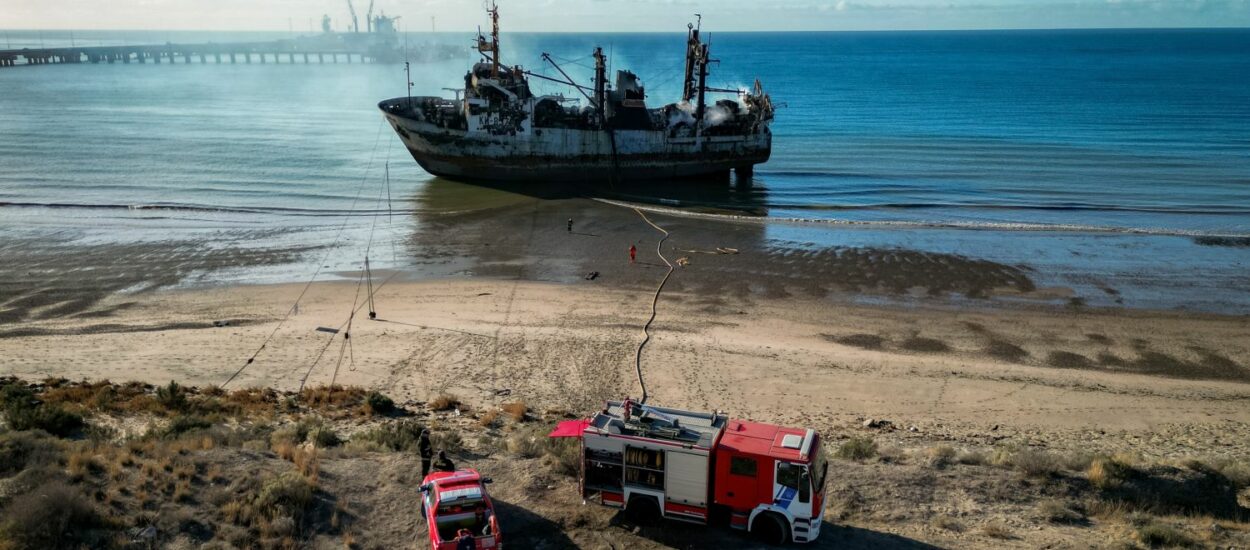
[703, 468]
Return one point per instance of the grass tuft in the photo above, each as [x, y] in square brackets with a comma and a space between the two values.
[997, 530]
[858, 448]
[516, 411]
[445, 402]
[1160, 535]
[378, 404]
[1108, 473]
[393, 436]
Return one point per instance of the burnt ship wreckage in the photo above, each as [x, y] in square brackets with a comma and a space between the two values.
[499, 131]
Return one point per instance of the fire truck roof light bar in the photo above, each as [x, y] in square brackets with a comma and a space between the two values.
[808, 438]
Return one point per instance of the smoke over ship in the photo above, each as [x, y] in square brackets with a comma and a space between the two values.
[499, 131]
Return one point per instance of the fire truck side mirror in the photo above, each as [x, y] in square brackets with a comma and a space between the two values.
[487, 480]
[425, 488]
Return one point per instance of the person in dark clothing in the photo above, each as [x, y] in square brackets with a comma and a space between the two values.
[465, 540]
[427, 452]
[444, 464]
[570, 225]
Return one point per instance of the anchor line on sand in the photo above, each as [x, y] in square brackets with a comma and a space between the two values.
[320, 265]
[655, 300]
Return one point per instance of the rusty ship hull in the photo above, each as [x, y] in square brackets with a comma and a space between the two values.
[570, 154]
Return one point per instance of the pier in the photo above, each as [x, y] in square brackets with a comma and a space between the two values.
[281, 51]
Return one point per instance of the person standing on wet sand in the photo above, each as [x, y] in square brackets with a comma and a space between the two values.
[570, 225]
[427, 452]
[633, 253]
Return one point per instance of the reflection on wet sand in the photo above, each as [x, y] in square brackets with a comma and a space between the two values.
[522, 232]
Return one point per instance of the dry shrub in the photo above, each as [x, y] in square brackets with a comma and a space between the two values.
[333, 397]
[172, 397]
[488, 418]
[1161, 535]
[997, 530]
[1058, 511]
[444, 402]
[1237, 472]
[1108, 473]
[392, 436]
[858, 448]
[19, 449]
[1035, 463]
[516, 411]
[184, 424]
[1029, 462]
[24, 412]
[378, 404]
[940, 456]
[214, 473]
[288, 494]
[891, 454]
[53, 516]
[284, 449]
[563, 456]
[253, 400]
[82, 461]
[182, 492]
[449, 441]
[972, 457]
[307, 462]
[184, 470]
[234, 512]
[526, 443]
[947, 523]
[307, 430]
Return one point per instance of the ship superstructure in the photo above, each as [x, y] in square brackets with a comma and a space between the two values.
[498, 130]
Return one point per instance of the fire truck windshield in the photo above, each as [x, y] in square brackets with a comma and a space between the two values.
[820, 467]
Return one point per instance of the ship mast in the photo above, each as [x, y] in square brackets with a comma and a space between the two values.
[491, 47]
[600, 84]
[692, 52]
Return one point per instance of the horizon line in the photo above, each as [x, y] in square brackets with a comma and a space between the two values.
[735, 31]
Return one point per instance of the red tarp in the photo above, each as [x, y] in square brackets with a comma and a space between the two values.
[569, 428]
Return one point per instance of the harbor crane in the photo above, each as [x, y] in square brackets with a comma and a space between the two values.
[355, 22]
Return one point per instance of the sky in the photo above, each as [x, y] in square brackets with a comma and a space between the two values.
[628, 15]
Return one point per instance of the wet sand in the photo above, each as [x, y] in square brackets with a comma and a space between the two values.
[495, 305]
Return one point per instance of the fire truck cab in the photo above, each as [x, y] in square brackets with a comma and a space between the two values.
[705, 468]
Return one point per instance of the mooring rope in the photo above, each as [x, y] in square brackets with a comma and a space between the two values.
[646, 329]
[320, 265]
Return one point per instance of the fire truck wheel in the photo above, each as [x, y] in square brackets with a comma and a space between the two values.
[768, 528]
[643, 511]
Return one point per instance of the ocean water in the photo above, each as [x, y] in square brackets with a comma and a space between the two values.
[1087, 149]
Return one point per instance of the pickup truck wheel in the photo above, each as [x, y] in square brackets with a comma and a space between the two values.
[769, 529]
[643, 511]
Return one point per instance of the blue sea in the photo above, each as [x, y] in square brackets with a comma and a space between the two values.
[1098, 157]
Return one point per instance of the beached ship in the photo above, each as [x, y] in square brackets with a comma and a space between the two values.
[499, 131]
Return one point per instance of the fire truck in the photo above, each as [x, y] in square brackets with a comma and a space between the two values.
[703, 468]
